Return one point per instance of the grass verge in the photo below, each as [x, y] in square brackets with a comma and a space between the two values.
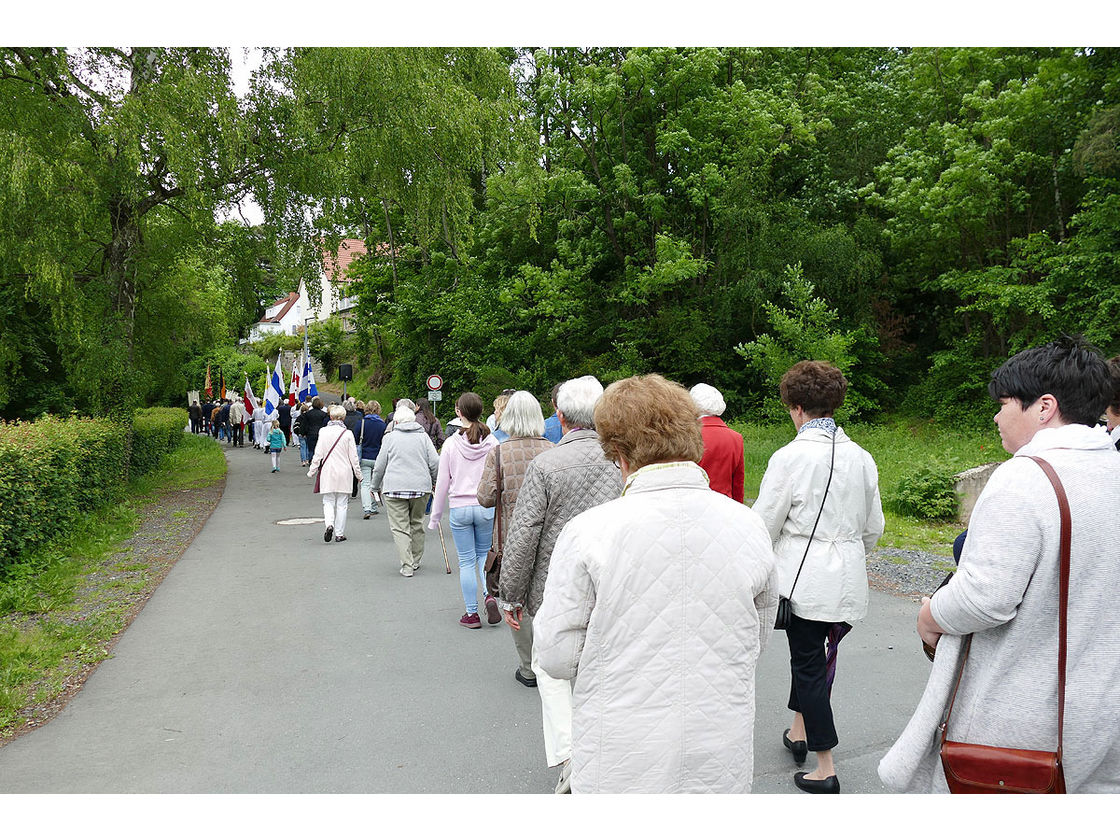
[62, 608]
[899, 447]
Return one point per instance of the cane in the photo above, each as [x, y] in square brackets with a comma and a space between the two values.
[443, 545]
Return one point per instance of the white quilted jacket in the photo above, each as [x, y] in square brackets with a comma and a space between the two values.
[658, 604]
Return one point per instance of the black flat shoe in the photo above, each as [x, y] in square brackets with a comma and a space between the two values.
[800, 749]
[829, 785]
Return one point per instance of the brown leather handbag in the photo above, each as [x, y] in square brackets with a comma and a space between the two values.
[493, 567]
[978, 768]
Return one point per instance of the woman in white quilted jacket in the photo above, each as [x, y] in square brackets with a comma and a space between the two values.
[820, 501]
[662, 601]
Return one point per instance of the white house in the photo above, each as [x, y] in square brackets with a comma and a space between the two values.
[334, 297]
[284, 316]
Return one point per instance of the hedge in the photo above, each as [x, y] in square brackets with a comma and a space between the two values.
[53, 470]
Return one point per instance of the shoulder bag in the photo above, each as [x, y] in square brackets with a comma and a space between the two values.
[979, 768]
[318, 471]
[785, 608]
[494, 555]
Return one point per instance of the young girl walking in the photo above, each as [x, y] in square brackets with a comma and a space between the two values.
[276, 444]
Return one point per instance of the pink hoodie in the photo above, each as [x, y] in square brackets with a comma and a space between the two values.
[460, 470]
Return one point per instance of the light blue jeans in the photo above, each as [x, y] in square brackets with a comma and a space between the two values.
[304, 455]
[368, 504]
[472, 528]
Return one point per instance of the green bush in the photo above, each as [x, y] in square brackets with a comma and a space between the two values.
[54, 470]
[155, 432]
[928, 492]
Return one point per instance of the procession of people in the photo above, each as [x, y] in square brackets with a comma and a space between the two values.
[592, 547]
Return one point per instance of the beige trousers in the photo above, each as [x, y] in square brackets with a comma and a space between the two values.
[523, 642]
[406, 524]
[556, 715]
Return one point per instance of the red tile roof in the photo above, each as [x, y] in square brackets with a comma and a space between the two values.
[335, 265]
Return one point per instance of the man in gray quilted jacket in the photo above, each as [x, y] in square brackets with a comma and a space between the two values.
[560, 483]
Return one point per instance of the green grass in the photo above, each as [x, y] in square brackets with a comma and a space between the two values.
[898, 447]
[44, 630]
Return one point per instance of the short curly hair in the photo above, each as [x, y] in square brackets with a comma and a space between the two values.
[818, 387]
[648, 420]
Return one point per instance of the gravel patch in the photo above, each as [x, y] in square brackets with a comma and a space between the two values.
[907, 572]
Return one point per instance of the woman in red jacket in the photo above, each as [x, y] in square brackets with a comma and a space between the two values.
[723, 447]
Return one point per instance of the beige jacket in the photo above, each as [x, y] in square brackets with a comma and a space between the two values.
[516, 454]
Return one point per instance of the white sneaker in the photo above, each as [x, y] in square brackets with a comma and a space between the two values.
[564, 783]
[406, 571]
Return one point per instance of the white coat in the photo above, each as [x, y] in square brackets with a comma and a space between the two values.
[336, 473]
[658, 604]
[833, 584]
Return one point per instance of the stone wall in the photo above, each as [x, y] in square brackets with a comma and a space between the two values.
[969, 484]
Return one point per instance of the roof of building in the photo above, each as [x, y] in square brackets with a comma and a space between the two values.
[335, 265]
[288, 301]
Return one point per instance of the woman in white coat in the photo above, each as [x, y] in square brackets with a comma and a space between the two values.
[821, 542]
[662, 601]
[336, 461]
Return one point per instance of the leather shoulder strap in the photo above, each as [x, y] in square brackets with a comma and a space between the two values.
[1063, 601]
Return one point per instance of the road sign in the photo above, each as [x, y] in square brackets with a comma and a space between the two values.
[435, 382]
[435, 396]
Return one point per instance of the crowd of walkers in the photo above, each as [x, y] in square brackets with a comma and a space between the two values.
[614, 540]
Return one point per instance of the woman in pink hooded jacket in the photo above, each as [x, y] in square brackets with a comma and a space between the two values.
[472, 526]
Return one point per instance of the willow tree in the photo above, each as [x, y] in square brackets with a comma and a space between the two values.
[112, 164]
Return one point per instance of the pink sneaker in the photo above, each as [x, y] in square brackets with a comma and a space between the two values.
[471, 621]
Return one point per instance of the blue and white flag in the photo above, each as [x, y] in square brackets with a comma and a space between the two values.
[274, 392]
[307, 388]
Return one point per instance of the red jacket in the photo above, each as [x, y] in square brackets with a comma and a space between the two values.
[723, 457]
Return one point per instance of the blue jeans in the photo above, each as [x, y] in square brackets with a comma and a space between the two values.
[472, 528]
[304, 454]
[368, 504]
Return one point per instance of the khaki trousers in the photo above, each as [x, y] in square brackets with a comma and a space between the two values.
[406, 517]
[523, 642]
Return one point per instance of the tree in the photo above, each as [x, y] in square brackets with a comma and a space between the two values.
[113, 163]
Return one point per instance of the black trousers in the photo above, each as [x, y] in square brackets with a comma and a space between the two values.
[808, 691]
[238, 434]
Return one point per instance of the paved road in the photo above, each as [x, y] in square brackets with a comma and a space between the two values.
[271, 662]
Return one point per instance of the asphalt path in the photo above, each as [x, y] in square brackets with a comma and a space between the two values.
[271, 662]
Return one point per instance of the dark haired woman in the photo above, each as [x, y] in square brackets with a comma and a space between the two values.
[429, 423]
[460, 469]
[821, 541]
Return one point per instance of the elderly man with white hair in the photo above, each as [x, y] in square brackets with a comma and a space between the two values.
[723, 447]
[564, 481]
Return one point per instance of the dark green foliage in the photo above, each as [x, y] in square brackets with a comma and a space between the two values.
[53, 470]
[926, 493]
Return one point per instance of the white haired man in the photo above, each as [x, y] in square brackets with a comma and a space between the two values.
[723, 447]
[560, 483]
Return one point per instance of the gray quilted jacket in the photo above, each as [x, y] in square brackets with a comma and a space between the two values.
[560, 483]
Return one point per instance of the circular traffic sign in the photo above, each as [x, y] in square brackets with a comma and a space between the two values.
[435, 382]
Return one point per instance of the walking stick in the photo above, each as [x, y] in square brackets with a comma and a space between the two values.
[443, 545]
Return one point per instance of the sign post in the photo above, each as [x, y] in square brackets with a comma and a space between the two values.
[435, 384]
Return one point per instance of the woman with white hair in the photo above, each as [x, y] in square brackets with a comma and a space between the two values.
[404, 473]
[723, 447]
[502, 477]
[336, 462]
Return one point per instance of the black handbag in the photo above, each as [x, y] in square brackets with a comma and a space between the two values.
[785, 608]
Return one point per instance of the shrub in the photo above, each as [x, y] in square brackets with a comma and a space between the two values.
[928, 492]
[54, 469]
[155, 431]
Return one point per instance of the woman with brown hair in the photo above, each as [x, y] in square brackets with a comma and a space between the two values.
[461, 462]
[820, 501]
[429, 423]
[662, 601]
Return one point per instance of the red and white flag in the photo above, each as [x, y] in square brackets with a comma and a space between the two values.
[209, 389]
[250, 400]
[293, 386]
